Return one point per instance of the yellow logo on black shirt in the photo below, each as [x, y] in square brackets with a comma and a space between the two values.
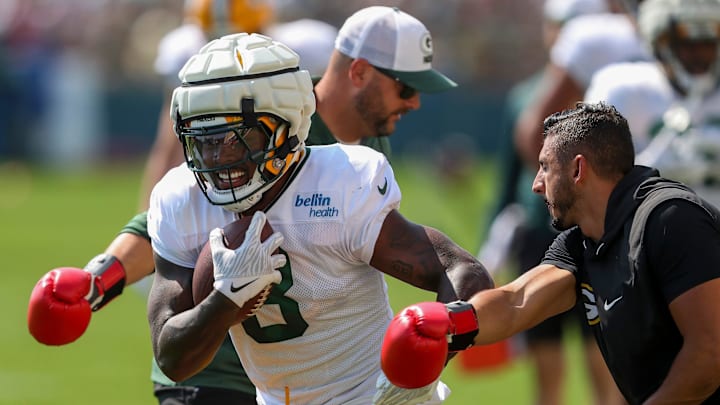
[591, 309]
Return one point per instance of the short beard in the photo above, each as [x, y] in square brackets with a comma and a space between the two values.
[369, 104]
[562, 205]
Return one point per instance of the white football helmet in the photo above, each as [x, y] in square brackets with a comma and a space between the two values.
[242, 114]
[664, 22]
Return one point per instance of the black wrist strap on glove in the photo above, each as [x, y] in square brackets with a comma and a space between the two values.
[108, 279]
[464, 320]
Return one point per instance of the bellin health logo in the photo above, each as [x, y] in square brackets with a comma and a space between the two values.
[320, 205]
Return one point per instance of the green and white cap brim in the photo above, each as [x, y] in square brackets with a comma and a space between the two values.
[394, 42]
[426, 81]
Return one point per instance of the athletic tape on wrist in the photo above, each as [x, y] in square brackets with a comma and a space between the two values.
[465, 325]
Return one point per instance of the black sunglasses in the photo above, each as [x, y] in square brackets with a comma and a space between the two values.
[406, 92]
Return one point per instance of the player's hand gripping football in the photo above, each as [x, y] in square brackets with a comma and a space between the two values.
[62, 301]
[243, 273]
[419, 338]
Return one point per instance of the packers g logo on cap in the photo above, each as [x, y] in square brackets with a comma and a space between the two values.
[426, 47]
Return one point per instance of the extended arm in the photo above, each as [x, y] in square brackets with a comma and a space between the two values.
[422, 331]
[533, 297]
[428, 259]
[62, 302]
[135, 253]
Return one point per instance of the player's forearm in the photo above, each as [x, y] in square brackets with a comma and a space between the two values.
[463, 274]
[135, 254]
[466, 278]
[533, 297]
[694, 376]
[498, 315]
[188, 341]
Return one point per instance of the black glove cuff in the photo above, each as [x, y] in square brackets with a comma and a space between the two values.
[108, 281]
[464, 322]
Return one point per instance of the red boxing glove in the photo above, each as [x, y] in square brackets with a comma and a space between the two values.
[62, 301]
[418, 339]
[58, 312]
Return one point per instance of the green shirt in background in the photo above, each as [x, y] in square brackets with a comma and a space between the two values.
[320, 135]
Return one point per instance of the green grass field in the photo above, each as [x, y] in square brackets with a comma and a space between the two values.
[50, 219]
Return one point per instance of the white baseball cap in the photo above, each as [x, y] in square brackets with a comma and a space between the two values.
[312, 39]
[395, 43]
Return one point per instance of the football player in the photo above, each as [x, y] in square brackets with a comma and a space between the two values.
[243, 115]
[673, 104]
[585, 44]
[358, 81]
[62, 303]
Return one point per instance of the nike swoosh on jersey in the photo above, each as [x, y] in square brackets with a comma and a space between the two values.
[234, 289]
[608, 305]
[383, 189]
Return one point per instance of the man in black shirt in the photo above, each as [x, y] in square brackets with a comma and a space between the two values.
[640, 251]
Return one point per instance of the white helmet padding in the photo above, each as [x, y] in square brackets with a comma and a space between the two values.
[233, 71]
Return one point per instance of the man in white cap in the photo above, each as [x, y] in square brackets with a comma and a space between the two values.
[381, 62]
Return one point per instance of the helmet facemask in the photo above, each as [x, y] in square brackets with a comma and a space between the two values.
[242, 115]
[235, 158]
[684, 36]
[694, 81]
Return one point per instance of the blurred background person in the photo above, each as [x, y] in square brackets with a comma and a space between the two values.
[520, 233]
[672, 104]
[583, 46]
[312, 39]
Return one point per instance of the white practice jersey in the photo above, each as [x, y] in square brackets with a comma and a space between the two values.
[318, 336]
[175, 48]
[641, 93]
[677, 135]
[588, 42]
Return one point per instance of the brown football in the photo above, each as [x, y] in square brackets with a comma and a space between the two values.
[203, 277]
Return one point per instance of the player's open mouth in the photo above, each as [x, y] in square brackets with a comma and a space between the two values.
[231, 178]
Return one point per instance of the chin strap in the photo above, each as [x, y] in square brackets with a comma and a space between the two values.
[287, 147]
